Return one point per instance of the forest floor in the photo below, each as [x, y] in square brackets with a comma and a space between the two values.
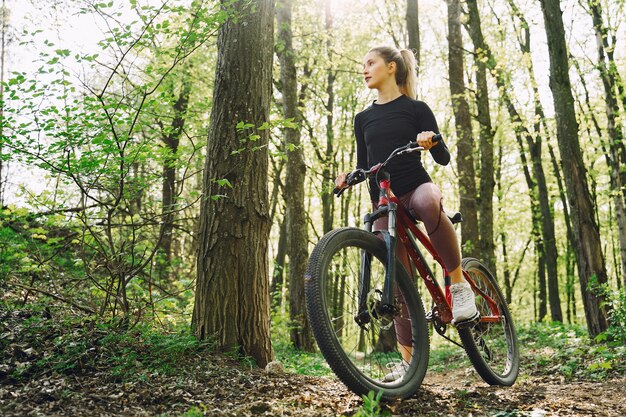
[207, 384]
[223, 388]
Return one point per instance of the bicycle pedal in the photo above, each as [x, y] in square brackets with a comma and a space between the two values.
[467, 323]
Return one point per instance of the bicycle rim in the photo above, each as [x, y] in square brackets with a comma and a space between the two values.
[492, 344]
[362, 356]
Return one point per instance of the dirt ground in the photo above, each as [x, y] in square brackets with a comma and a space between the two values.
[223, 388]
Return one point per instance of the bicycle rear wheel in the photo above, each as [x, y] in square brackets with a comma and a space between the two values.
[363, 356]
[492, 344]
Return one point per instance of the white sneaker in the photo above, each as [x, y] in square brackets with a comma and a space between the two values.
[397, 371]
[463, 303]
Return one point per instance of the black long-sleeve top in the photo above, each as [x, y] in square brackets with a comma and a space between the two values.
[381, 128]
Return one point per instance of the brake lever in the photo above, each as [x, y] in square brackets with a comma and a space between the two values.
[411, 150]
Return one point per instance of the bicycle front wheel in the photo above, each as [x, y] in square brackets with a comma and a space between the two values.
[492, 344]
[365, 356]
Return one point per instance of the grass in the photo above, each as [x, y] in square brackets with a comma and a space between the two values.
[546, 349]
[567, 350]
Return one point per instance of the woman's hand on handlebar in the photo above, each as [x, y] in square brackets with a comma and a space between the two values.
[425, 140]
[340, 181]
[345, 180]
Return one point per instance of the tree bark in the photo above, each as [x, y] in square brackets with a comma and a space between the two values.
[328, 171]
[171, 139]
[413, 29]
[591, 267]
[297, 237]
[487, 181]
[276, 287]
[465, 143]
[232, 294]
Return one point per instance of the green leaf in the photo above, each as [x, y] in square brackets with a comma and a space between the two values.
[244, 125]
[224, 183]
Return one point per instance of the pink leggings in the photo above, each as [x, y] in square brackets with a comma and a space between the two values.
[426, 204]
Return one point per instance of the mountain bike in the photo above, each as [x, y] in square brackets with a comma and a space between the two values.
[356, 288]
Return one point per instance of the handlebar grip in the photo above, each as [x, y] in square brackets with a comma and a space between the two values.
[338, 191]
[437, 138]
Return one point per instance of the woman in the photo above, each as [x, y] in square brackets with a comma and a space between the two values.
[391, 121]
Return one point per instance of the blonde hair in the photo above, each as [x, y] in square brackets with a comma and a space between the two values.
[406, 74]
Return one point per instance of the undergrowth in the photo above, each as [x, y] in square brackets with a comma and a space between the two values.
[38, 341]
[568, 351]
[545, 348]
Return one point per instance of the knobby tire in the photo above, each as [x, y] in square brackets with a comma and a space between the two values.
[358, 356]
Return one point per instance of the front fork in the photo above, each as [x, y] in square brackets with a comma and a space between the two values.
[386, 307]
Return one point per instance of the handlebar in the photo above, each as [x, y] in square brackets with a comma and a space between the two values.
[359, 175]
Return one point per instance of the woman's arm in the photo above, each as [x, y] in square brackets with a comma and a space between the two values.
[427, 122]
[361, 149]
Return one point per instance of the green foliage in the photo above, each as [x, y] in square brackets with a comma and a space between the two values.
[615, 301]
[372, 406]
[194, 411]
[37, 248]
[107, 137]
[566, 350]
[37, 342]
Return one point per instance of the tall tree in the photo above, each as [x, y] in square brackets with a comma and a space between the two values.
[543, 219]
[608, 70]
[413, 29]
[587, 243]
[297, 238]
[465, 142]
[232, 295]
[170, 137]
[328, 170]
[487, 181]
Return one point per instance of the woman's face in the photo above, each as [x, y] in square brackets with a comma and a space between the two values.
[376, 72]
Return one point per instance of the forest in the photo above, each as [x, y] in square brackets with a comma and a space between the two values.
[167, 167]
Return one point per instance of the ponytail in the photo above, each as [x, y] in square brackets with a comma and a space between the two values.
[409, 87]
[406, 73]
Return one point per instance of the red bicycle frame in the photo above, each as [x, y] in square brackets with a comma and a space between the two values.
[405, 223]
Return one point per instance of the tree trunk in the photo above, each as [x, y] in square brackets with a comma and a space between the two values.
[328, 171]
[276, 287]
[232, 294]
[465, 145]
[171, 139]
[591, 267]
[506, 269]
[614, 127]
[545, 216]
[487, 181]
[413, 29]
[570, 258]
[297, 238]
[542, 308]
